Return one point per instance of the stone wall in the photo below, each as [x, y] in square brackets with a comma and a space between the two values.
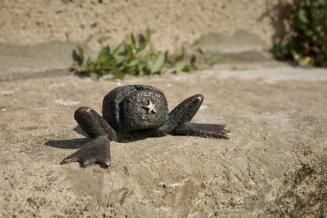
[99, 22]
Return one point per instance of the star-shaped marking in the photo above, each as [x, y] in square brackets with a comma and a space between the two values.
[150, 108]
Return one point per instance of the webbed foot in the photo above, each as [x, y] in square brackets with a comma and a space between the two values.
[97, 150]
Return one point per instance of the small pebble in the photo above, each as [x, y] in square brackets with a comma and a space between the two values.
[203, 107]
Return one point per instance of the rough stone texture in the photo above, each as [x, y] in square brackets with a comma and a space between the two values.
[26, 61]
[240, 41]
[101, 22]
[273, 164]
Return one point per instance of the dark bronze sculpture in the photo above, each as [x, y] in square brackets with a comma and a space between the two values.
[134, 112]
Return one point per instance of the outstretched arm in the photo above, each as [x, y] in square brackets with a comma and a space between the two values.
[182, 113]
[93, 124]
[179, 121]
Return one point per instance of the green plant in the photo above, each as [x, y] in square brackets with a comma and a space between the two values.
[305, 33]
[135, 57]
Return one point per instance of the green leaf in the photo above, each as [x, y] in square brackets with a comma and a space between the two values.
[142, 42]
[117, 72]
[200, 51]
[193, 59]
[104, 55]
[179, 66]
[148, 34]
[133, 42]
[296, 56]
[120, 50]
[302, 16]
[78, 55]
[130, 52]
[156, 64]
[134, 57]
[148, 39]
[181, 56]
[140, 70]
[133, 63]
[75, 67]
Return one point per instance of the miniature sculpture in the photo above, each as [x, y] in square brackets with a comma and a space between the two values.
[136, 112]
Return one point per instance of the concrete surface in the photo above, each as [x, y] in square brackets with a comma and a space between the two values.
[240, 41]
[102, 22]
[273, 165]
[28, 61]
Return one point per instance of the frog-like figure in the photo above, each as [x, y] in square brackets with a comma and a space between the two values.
[134, 112]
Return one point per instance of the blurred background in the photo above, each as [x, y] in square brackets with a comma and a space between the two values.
[40, 35]
[98, 22]
[33, 32]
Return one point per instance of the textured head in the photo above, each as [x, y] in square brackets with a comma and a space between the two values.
[135, 107]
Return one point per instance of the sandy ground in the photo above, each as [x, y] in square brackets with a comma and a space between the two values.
[273, 165]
